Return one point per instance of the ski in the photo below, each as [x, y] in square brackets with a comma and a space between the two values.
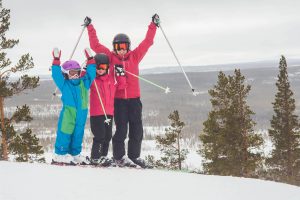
[104, 163]
[98, 166]
[62, 163]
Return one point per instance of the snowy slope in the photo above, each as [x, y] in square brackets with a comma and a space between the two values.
[23, 181]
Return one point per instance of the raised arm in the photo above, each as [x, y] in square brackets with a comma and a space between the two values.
[93, 38]
[56, 69]
[143, 47]
[90, 73]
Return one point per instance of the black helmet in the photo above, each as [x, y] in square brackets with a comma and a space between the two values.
[101, 58]
[121, 38]
[102, 62]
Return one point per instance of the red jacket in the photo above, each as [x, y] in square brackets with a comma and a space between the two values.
[107, 85]
[106, 88]
[130, 61]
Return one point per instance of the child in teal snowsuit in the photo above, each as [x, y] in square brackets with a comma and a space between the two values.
[72, 119]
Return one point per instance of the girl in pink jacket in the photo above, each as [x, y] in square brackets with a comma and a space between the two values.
[128, 107]
[102, 95]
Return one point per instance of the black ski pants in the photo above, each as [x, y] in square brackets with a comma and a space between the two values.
[102, 135]
[128, 114]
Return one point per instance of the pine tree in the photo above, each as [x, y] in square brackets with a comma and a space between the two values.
[169, 144]
[9, 88]
[284, 132]
[10, 134]
[214, 128]
[25, 146]
[229, 142]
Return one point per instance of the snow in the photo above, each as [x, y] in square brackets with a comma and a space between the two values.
[24, 181]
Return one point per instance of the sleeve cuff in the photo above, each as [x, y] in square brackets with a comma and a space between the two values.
[152, 25]
[56, 62]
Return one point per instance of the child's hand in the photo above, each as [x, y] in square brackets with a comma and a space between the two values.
[89, 56]
[88, 53]
[56, 53]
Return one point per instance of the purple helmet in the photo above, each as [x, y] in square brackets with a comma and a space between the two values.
[70, 65]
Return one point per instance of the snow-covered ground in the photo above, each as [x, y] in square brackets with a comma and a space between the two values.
[24, 181]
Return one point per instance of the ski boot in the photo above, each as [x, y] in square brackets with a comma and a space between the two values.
[124, 162]
[103, 161]
[63, 160]
[140, 162]
[81, 160]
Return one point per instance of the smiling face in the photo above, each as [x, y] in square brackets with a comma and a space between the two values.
[101, 72]
[102, 69]
[121, 52]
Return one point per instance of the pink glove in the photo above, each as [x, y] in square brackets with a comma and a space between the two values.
[89, 56]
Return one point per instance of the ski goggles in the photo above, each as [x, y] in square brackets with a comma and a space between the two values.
[119, 46]
[102, 66]
[74, 73]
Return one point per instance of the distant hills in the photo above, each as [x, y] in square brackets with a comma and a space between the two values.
[219, 67]
[210, 68]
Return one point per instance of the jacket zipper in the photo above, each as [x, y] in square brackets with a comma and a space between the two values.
[102, 96]
[109, 88]
[125, 75]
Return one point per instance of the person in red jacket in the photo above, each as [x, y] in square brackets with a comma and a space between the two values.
[102, 95]
[128, 107]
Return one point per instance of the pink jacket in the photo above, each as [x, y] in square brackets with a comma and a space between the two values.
[130, 61]
[106, 87]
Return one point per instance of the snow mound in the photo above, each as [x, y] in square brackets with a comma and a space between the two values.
[24, 181]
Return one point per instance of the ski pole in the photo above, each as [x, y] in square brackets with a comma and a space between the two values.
[193, 90]
[107, 120]
[54, 94]
[167, 89]
[77, 42]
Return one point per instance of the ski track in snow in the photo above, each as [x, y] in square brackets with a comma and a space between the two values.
[24, 181]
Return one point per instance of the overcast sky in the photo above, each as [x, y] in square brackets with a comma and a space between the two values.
[201, 32]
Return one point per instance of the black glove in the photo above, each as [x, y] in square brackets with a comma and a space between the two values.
[87, 21]
[120, 70]
[156, 20]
